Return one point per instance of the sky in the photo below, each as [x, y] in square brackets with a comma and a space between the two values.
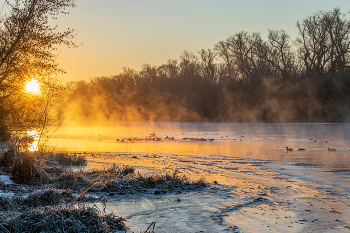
[113, 34]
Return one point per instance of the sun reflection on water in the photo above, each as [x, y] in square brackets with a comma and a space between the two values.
[34, 145]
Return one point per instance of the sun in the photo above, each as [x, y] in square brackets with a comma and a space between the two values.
[33, 87]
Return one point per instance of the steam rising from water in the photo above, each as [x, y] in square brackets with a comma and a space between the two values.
[190, 99]
[260, 141]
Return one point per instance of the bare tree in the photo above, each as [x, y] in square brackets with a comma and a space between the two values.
[223, 52]
[189, 65]
[277, 52]
[244, 49]
[170, 69]
[209, 67]
[149, 73]
[324, 40]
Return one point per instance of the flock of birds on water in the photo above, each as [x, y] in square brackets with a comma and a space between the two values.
[291, 149]
[153, 137]
[301, 149]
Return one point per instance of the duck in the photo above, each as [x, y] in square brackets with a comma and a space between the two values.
[331, 149]
[301, 149]
[289, 148]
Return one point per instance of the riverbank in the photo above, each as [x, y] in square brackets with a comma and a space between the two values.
[245, 195]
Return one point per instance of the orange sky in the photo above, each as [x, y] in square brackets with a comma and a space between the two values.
[118, 33]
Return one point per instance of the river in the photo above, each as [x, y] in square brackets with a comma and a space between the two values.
[247, 140]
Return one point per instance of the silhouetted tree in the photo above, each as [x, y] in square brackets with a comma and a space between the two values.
[277, 51]
[324, 42]
[226, 70]
[27, 45]
[209, 68]
[244, 79]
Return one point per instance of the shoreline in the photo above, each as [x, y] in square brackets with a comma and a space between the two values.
[244, 195]
[250, 195]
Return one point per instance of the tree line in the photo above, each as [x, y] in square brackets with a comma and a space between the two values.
[244, 78]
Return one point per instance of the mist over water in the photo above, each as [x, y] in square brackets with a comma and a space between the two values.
[248, 140]
[244, 78]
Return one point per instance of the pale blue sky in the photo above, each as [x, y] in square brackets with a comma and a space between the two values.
[129, 33]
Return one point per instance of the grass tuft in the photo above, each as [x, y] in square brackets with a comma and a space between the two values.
[123, 180]
[8, 157]
[72, 179]
[65, 159]
[27, 170]
[7, 204]
[34, 168]
[63, 219]
[47, 197]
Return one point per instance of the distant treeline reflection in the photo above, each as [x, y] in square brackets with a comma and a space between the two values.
[243, 79]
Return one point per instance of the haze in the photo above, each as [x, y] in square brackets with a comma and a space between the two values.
[116, 34]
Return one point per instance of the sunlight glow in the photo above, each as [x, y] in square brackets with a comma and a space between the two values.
[34, 145]
[33, 87]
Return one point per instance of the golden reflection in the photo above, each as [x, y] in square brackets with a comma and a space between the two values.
[34, 145]
[33, 87]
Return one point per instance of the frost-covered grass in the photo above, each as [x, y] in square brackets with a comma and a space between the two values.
[46, 197]
[62, 205]
[124, 180]
[71, 218]
[52, 210]
[36, 168]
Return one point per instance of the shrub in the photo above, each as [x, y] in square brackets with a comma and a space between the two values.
[65, 159]
[8, 157]
[4, 132]
[46, 197]
[72, 179]
[26, 170]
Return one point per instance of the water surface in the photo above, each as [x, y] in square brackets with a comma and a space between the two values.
[248, 140]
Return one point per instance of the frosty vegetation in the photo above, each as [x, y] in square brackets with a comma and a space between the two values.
[61, 202]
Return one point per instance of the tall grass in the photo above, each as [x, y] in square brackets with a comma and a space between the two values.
[34, 168]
